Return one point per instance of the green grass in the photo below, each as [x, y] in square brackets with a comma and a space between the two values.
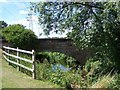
[104, 81]
[0, 69]
[14, 79]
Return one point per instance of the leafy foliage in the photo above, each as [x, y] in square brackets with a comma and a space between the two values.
[84, 78]
[19, 36]
[60, 58]
[93, 25]
[3, 24]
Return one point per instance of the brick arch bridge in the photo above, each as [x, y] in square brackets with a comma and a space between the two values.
[62, 45]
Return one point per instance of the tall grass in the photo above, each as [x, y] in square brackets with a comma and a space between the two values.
[103, 81]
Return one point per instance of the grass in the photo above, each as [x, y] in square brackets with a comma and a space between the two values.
[14, 79]
[104, 81]
[0, 69]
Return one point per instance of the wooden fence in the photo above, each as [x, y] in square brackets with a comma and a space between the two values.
[18, 58]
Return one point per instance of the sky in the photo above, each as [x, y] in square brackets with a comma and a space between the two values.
[16, 12]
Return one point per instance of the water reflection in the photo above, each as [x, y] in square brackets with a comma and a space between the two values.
[60, 67]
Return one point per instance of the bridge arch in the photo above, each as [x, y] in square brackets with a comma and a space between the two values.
[64, 46]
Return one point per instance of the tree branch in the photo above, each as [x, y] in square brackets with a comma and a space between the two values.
[88, 5]
[97, 19]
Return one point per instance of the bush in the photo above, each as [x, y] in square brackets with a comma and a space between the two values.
[19, 36]
[56, 57]
[42, 71]
[63, 79]
[69, 79]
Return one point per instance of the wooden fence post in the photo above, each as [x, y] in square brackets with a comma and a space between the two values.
[18, 61]
[8, 53]
[33, 65]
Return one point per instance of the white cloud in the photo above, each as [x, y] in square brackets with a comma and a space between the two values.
[20, 21]
[37, 29]
[23, 12]
[21, 0]
[4, 1]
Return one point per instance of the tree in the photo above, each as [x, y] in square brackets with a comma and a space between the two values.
[19, 36]
[3, 24]
[93, 25]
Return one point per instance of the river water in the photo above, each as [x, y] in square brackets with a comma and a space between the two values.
[60, 67]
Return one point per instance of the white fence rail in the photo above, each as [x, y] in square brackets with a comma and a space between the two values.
[18, 58]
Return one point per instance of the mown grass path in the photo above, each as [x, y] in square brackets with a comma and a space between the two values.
[15, 79]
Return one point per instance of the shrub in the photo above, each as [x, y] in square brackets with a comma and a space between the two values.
[56, 57]
[19, 36]
[42, 71]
